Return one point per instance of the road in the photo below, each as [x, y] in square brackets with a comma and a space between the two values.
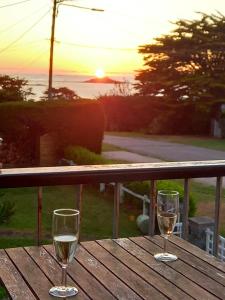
[164, 150]
[146, 150]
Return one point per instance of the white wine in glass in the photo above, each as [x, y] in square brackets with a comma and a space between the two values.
[167, 214]
[65, 230]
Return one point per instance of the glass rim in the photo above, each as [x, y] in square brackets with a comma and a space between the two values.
[168, 192]
[68, 212]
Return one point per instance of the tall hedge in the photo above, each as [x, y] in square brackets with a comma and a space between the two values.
[155, 116]
[73, 122]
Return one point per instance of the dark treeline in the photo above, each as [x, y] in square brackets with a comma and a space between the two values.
[152, 116]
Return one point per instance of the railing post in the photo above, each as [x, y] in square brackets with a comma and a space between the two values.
[219, 181]
[152, 207]
[185, 229]
[79, 198]
[39, 216]
[116, 211]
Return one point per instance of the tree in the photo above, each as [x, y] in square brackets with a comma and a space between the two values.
[13, 89]
[62, 93]
[187, 64]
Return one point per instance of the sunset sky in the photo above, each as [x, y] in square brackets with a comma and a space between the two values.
[88, 40]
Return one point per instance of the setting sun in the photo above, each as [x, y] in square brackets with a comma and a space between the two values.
[99, 73]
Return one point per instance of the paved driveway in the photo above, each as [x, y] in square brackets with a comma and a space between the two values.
[145, 150]
[164, 150]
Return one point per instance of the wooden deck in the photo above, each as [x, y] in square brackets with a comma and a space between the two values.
[116, 269]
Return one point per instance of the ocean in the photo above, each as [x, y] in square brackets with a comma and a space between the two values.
[39, 83]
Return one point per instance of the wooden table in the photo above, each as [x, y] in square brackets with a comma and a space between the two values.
[116, 269]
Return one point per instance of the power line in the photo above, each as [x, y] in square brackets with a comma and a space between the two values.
[21, 20]
[97, 47]
[28, 43]
[83, 7]
[13, 4]
[24, 33]
[35, 59]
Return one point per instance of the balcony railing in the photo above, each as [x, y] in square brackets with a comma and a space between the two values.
[79, 175]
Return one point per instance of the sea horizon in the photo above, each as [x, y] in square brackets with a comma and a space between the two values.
[76, 82]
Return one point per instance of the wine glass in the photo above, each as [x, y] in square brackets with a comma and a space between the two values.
[167, 214]
[65, 231]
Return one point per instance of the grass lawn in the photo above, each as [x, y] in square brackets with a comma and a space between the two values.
[205, 196]
[97, 213]
[199, 141]
[96, 221]
[109, 147]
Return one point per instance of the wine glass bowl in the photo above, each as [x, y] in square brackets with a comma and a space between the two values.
[167, 215]
[65, 231]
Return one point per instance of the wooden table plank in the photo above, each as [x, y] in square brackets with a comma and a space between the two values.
[188, 270]
[31, 273]
[194, 250]
[159, 282]
[175, 277]
[194, 261]
[13, 281]
[140, 286]
[85, 280]
[105, 277]
[51, 268]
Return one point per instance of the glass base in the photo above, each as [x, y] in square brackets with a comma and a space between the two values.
[63, 292]
[166, 257]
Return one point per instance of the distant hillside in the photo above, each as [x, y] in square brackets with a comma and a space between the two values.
[102, 80]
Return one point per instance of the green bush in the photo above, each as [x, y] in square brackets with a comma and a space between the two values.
[7, 210]
[3, 293]
[82, 156]
[75, 122]
[143, 188]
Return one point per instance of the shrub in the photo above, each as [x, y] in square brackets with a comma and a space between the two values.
[7, 210]
[79, 122]
[143, 188]
[82, 156]
[62, 93]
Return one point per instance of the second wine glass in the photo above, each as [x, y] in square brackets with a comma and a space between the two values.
[167, 215]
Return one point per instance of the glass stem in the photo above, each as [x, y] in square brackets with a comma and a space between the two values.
[165, 244]
[64, 277]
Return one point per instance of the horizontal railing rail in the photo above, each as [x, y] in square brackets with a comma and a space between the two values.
[119, 173]
[109, 173]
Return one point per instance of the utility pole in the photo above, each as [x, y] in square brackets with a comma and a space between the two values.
[52, 40]
[51, 50]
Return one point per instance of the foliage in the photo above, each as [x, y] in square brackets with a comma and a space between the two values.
[79, 122]
[121, 89]
[186, 64]
[3, 293]
[149, 115]
[143, 188]
[82, 156]
[7, 210]
[62, 93]
[13, 89]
